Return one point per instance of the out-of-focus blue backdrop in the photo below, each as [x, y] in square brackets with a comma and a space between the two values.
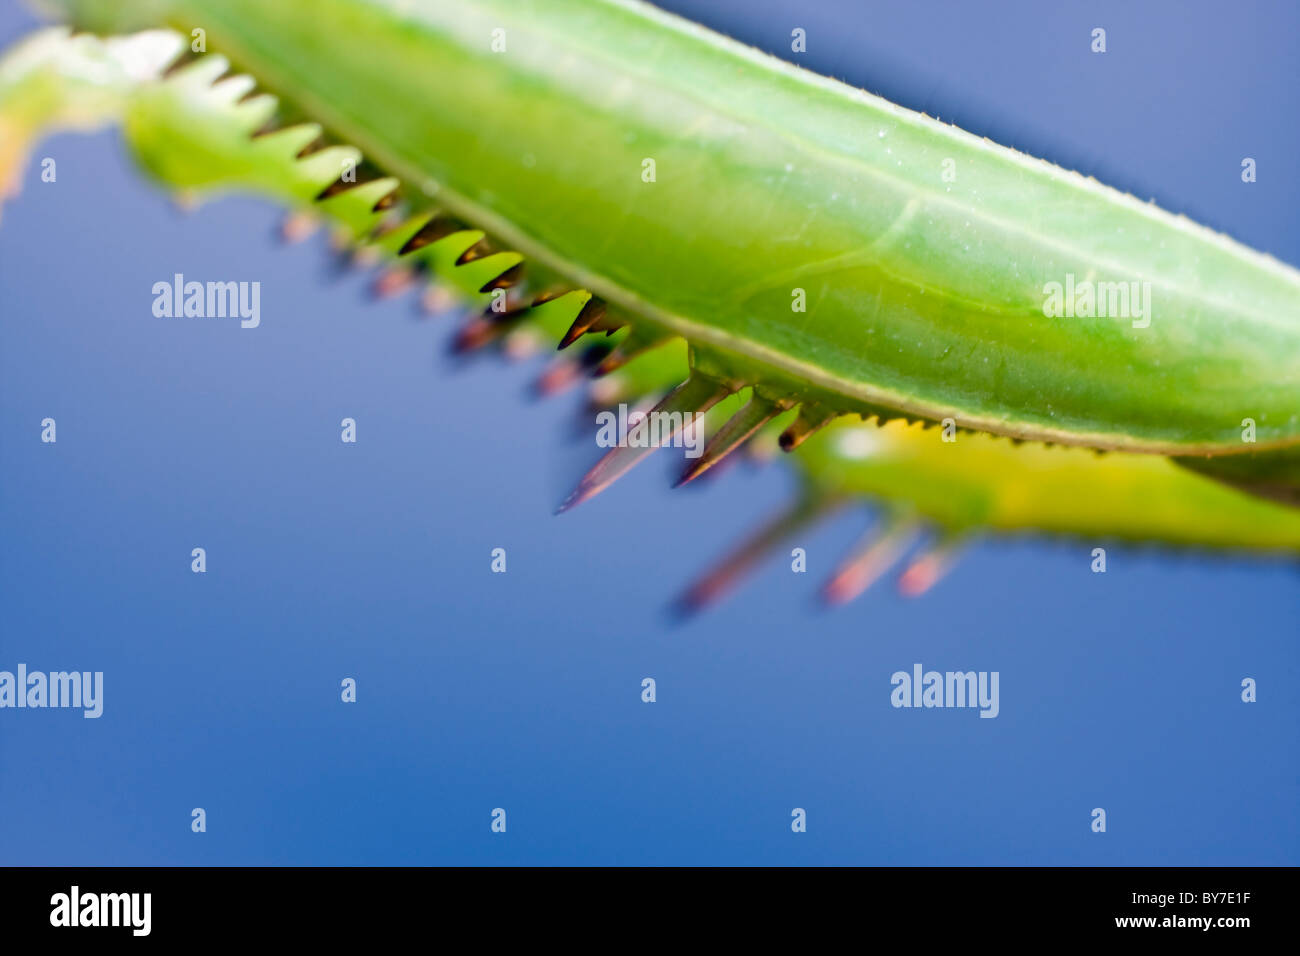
[522, 690]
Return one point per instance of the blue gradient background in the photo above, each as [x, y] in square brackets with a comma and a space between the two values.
[523, 690]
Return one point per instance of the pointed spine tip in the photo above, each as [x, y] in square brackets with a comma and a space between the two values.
[479, 250]
[558, 377]
[438, 227]
[472, 336]
[727, 573]
[505, 280]
[590, 314]
[693, 397]
[391, 282]
[811, 419]
[297, 226]
[737, 430]
[878, 551]
[437, 299]
[928, 569]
